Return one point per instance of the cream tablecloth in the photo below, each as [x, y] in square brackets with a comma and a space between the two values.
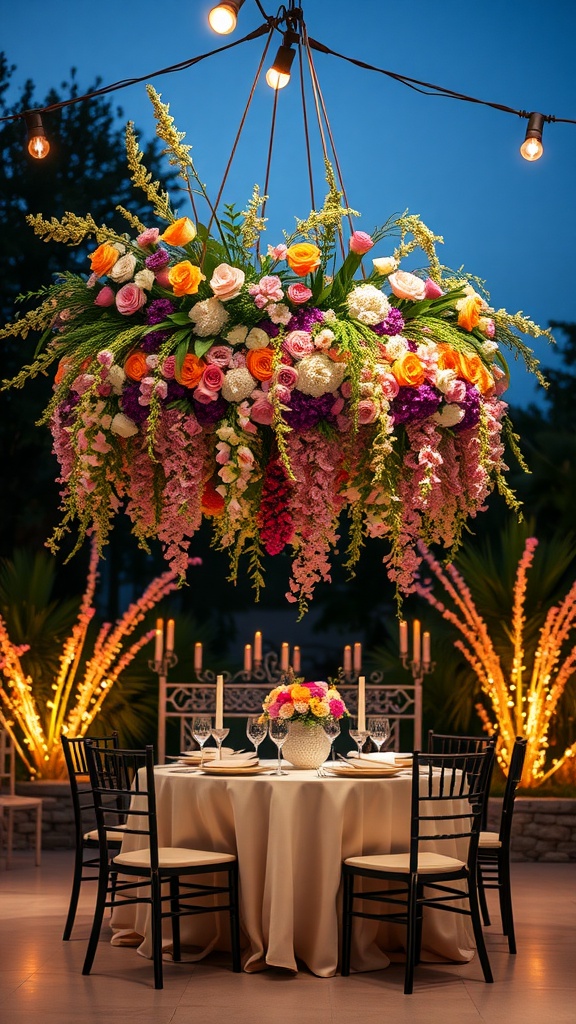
[291, 834]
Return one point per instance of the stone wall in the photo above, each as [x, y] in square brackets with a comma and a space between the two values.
[544, 828]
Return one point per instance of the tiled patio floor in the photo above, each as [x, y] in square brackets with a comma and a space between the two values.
[41, 980]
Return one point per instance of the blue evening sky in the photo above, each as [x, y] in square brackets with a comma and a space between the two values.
[456, 164]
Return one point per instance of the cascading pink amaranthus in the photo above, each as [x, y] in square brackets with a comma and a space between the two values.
[76, 699]
[523, 698]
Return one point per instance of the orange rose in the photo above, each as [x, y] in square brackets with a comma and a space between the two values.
[136, 366]
[191, 372]
[473, 370]
[184, 278]
[212, 502]
[408, 370]
[180, 232]
[469, 312]
[303, 258]
[448, 358]
[259, 362]
[103, 259]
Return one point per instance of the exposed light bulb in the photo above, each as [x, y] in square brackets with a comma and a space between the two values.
[532, 148]
[279, 74]
[38, 145]
[276, 79]
[223, 18]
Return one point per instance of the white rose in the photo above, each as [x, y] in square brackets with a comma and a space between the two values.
[123, 425]
[123, 268]
[449, 416]
[444, 379]
[257, 338]
[237, 336]
[385, 265]
[144, 279]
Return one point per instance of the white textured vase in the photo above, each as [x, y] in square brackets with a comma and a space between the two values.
[306, 746]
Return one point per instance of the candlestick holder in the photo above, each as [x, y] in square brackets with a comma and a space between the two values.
[161, 666]
[268, 670]
[419, 669]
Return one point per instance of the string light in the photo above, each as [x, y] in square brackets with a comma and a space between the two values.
[278, 75]
[38, 145]
[532, 148]
[223, 18]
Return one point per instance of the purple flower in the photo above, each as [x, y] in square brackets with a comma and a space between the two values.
[304, 319]
[152, 342]
[175, 391]
[157, 260]
[272, 330]
[66, 408]
[130, 404]
[471, 406]
[210, 413]
[413, 404]
[306, 411]
[158, 310]
[393, 324]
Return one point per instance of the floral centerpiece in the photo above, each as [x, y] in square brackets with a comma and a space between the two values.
[270, 393]
[308, 703]
[307, 707]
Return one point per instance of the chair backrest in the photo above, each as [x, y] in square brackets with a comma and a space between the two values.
[74, 749]
[123, 788]
[448, 797]
[443, 743]
[512, 782]
[7, 763]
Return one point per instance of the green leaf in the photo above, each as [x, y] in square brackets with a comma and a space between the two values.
[180, 355]
[201, 345]
[177, 318]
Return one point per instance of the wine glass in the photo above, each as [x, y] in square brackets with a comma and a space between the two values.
[332, 729]
[278, 729]
[379, 729]
[219, 735]
[201, 731]
[358, 735]
[256, 730]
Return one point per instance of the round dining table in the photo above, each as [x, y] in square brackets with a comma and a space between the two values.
[290, 834]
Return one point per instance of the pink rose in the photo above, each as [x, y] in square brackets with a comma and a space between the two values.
[269, 287]
[337, 407]
[367, 411]
[433, 290]
[262, 411]
[298, 344]
[388, 385]
[283, 394]
[148, 237]
[162, 277]
[219, 355]
[298, 293]
[226, 282]
[407, 286]
[168, 367]
[130, 299]
[360, 242]
[105, 358]
[456, 391]
[286, 377]
[105, 297]
[212, 378]
[346, 388]
[278, 252]
[205, 395]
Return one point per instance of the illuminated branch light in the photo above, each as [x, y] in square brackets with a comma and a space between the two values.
[534, 704]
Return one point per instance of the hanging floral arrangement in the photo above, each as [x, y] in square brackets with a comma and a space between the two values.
[271, 393]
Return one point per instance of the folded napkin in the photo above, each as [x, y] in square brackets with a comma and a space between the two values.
[234, 762]
[386, 757]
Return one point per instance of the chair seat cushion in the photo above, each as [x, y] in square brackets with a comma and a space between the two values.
[489, 841]
[400, 862]
[114, 835]
[174, 857]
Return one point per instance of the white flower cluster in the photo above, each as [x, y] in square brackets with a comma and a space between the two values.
[318, 374]
[238, 384]
[208, 317]
[368, 304]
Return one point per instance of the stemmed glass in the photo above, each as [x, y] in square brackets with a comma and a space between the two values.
[256, 730]
[358, 735]
[379, 729]
[201, 731]
[332, 729]
[278, 729]
[219, 735]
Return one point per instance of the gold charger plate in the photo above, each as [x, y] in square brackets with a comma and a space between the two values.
[233, 769]
[370, 772]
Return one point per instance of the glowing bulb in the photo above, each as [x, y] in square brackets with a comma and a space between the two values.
[38, 145]
[223, 18]
[532, 148]
[276, 79]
